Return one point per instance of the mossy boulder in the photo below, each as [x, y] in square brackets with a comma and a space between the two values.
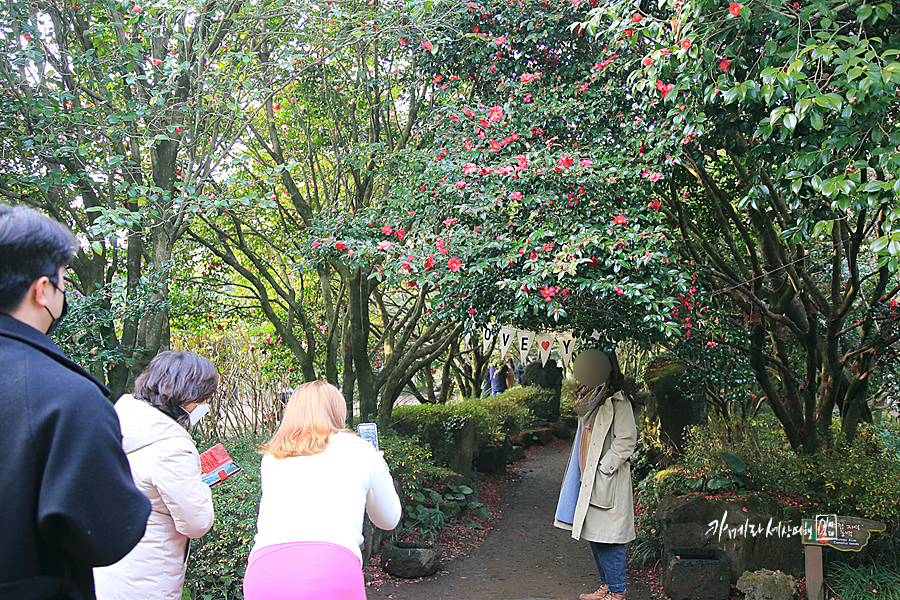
[674, 400]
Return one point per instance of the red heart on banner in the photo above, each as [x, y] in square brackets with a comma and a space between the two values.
[545, 345]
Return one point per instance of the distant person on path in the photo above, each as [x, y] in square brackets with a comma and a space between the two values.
[318, 480]
[498, 379]
[595, 501]
[510, 375]
[169, 396]
[486, 384]
[68, 500]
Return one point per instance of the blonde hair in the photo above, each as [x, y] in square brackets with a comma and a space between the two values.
[314, 413]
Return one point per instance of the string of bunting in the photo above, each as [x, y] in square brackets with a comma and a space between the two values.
[525, 341]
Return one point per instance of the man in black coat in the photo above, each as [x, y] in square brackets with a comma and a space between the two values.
[67, 500]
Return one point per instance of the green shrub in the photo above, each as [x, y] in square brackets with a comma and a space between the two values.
[218, 559]
[567, 399]
[411, 464]
[536, 400]
[441, 426]
[512, 417]
[864, 583]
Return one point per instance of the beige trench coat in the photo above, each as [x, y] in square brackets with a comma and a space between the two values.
[604, 511]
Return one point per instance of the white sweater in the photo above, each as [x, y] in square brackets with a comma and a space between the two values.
[322, 498]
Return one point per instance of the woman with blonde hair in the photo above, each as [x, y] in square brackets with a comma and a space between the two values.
[318, 479]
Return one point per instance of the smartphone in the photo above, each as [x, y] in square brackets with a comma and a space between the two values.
[368, 432]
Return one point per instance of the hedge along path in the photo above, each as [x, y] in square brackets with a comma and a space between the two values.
[524, 555]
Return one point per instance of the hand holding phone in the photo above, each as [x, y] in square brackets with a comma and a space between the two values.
[368, 432]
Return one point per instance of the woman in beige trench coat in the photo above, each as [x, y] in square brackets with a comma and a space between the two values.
[596, 501]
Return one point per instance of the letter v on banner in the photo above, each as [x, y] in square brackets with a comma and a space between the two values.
[566, 347]
[487, 338]
[526, 339]
[507, 335]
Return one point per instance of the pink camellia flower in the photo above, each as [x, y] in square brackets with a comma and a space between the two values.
[449, 222]
[636, 18]
[647, 61]
[527, 98]
[619, 220]
[686, 43]
[387, 230]
[655, 177]
[735, 9]
[533, 255]
[469, 168]
[547, 292]
[495, 145]
[384, 245]
[586, 162]
[619, 291]
[521, 162]
[454, 264]
[515, 196]
[495, 113]
[724, 64]
[461, 183]
[137, 10]
[500, 40]
[427, 46]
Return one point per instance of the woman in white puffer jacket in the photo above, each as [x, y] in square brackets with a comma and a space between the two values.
[169, 397]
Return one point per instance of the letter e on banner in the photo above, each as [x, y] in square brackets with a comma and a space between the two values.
[526, 339]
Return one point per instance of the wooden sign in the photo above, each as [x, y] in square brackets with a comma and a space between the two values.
[848, 534]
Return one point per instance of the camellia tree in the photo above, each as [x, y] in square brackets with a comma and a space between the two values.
[515, 202]
[115, 119]
[773, 125]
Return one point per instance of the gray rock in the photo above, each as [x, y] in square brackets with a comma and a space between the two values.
[768, 586]
[752, 538]
[410, 560]
[696, 574]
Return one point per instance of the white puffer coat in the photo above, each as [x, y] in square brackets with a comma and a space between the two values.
[165, 466]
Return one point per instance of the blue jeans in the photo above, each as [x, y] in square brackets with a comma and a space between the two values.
[610, 564]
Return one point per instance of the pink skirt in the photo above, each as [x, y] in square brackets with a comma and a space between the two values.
[304, 571]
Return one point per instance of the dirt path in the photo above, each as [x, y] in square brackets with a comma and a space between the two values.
[524, 555]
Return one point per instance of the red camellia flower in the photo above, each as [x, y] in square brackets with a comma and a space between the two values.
[686, 43]
[547, 292]
[427, 46]
[647, 61]
[724, 64]
[735, 9]
[636, 18]
[137, 9]
[178, 130]
[619, 220]
[564, 163]
[340, 246]
[27, 37]
[628, 33]
[664, 88]
[655, 177]
[533, 256]
[618, 290]
[429, 262]
[454, 264]
[400, 233]
[403, 41]
[528, 98]
[654, 205]
[515, 196]
[156, 62]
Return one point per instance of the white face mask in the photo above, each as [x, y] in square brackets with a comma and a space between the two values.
[198, 413]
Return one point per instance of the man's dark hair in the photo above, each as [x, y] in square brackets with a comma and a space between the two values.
[31, 246]
[175, 378]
